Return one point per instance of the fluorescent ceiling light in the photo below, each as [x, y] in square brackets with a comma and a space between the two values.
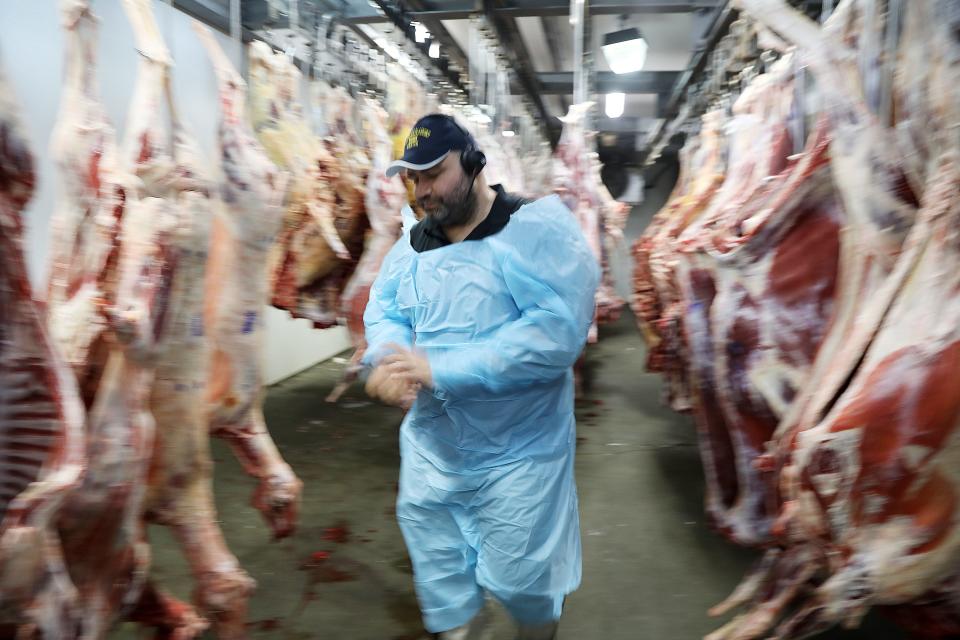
[507, 133]
[614, 104]
[625, 50]
[420, 32]
[434, 49]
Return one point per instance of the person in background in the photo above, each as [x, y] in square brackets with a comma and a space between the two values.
[473, 324]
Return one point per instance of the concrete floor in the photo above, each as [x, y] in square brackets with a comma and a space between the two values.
[651, 565]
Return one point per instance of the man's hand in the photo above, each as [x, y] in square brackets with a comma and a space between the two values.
[397, 391]
[411, 365]
[399, 377]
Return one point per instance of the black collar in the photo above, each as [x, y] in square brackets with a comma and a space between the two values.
[427, 234]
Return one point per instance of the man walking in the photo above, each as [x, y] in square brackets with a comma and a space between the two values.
[473, 324]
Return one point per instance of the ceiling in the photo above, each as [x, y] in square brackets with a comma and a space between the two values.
[545, 48]
[537, 41]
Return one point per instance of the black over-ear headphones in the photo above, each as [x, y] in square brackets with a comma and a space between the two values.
[471, 158]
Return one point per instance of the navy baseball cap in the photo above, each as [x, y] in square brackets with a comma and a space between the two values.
[431, 140]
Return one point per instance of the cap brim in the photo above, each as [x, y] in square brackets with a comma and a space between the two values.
[399, 165]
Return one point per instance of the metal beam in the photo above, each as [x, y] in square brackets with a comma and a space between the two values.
[449, 48]
[523, 8]
[561, 82]
[512, 42]
[553, 46]
[452, 54]
[723, 19]
[215, 13]
[461, 9]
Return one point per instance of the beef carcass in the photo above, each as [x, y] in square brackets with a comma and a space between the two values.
[758, 294]
[871, 492]
[754, 308]
[109, 562]
[879, 204]
[41, 420]
[656, 301]
[91, 195]
[179, 491]
[324, 226]
[237, 289]
[866, 463]
[756, 324]
[644, 302]
[385, 197]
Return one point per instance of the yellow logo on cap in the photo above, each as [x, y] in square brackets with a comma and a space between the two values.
[415, 134]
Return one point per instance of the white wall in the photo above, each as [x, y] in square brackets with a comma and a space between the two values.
[32, 50]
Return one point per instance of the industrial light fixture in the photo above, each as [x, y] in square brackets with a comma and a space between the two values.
[420, 32]
[507, 133]
[613, 106]
[434, 49]
[625, 50]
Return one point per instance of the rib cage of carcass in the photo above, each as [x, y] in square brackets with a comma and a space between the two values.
[807, 310]
[576, 181]
[41, 419]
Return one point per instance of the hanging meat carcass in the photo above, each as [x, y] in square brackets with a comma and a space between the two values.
[866, 459]
[869, 513]
[749, 316]
[179, 492]
[351, 220]
[161, 247]
[656, 301]
[758, 293]
[41, 428]
[323, 229]
[107, 562]
[308, 244]
[385, 198]
[237, 288]
[755, 276]
[575, 182]
[644, 302]
[90, 199]
[613, 220]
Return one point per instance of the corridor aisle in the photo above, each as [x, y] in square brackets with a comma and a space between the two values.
[652, 567]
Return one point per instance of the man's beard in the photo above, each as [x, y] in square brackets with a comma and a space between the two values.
[456, 210]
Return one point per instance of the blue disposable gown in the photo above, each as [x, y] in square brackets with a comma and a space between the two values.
[486, 489]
